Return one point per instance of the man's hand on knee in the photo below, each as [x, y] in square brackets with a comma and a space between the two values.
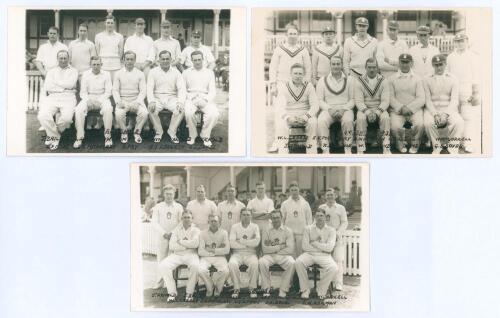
[152, 106]
[371, 116]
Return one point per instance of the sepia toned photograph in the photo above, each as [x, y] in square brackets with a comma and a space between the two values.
[371, 82]
[128, 81]
[259, 237]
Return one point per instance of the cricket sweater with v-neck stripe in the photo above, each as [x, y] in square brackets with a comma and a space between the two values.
[284, 57]
[297, 101]
[321, 56]
[372, 93]
[335, 94]
[356, 52]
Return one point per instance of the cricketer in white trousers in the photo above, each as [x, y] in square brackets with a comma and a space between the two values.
[168, 102]
[106, 110]
[219, 241]
[94, 87]
[64, 103]
[183, 245]
[278, 247]
[244, 242]
[210, 116]
[60, 84]
[140, 110]
[442, 95]
[317, 245]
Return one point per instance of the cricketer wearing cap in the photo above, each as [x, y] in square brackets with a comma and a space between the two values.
[109, 46]
[166, 216]
[463, 63]
[423, 52]
[297, 105]
[195, 45]
[166, 89]
[200, 85]
[214, 246]
[318, 244]
[244, 239]
[95, 91]
[46, 56]
[389, 50]
[322, 54]
[406, 104]
[372, 96]
[441, 106]
[60, 85]
[183, 246]
[358, 48]
[278, 246]
[296, 215]
[202, 208]
[229, 210]
[140, 44]
[336, 217]
[129, 91]
[336, 100]
[285, 55]
[261, 206]
[165, 42]
[81, 50]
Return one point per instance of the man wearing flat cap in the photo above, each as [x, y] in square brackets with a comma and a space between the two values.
[140, 44]
[423, 52]
[389, 50]
[165, 42]
[406, 104]
[359, 48]
[322, 54]
[463, 63]
[195, 45]
[441, 107]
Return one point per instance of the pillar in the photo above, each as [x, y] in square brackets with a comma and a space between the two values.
[216, 34]
[188, 182]
[232, 178]
[339, 19]
[283, 179]
[110, 12]
[163, 15]
[57, 20]
[151, 170]
[347, 180]
[385, 17]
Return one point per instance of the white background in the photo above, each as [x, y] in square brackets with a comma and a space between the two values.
[65, 223]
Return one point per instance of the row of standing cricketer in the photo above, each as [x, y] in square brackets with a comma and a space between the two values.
[231, 234]
[389, 84]
[183, 82]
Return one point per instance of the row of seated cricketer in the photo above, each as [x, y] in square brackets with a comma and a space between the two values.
[215, 242]
[403, 91]
[133, 74]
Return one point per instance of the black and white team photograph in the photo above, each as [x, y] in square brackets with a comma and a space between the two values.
[128, 81]
[250, 237]
[375, 82]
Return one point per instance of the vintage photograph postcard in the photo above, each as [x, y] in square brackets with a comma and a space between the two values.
[116, 81]
[374, 82]
[250, 237]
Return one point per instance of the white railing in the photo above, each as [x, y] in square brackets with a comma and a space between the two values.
[34, 83]
[352, 240]
[444, 43]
